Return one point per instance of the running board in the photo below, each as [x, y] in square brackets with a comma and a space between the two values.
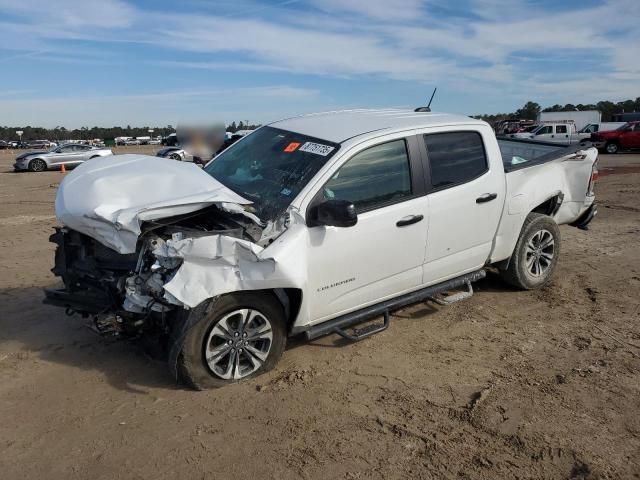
[358, 334]
[339, 324]
[455, 297]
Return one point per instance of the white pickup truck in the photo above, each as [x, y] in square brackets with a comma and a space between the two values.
[552, 132]
[309, 226]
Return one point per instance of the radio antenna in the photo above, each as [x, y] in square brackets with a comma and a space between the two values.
[428, 107]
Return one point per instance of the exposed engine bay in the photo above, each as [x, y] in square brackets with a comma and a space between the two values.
[125, 293]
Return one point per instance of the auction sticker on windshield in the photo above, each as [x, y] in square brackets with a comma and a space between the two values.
[316, 148]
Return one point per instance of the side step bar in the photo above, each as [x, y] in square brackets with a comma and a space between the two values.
[339, 324]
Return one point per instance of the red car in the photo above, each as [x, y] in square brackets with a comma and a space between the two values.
[626, 137]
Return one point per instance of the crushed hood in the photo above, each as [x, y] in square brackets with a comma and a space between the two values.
[109, 198]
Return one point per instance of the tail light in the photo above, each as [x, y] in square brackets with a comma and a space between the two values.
[594, 178]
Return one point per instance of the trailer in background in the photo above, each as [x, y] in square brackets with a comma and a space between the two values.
[580, 118]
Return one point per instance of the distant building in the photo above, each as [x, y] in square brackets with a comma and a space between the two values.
[626, 117]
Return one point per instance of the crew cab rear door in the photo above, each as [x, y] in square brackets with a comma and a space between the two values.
[382, 255]
[466, 183]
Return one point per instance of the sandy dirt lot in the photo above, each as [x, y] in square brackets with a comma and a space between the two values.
[508, 384]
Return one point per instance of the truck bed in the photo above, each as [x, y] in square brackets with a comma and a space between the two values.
[519, 153]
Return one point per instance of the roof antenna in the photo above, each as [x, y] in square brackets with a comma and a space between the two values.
[428, 107]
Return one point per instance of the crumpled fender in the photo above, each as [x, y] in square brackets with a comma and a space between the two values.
[214, 265]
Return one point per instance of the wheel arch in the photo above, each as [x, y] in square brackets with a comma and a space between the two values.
[548, 207]
[39, 158]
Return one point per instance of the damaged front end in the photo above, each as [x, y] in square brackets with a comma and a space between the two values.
[126, 293]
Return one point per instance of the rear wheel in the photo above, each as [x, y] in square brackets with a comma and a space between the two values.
[612, 148]
[536, 253]
[175, 156]
[37, 165]
[241, 335]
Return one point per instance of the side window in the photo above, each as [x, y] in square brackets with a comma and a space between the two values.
[545, 130]
[561, 129]
[65, 149]
[374, 177]
[455, 157]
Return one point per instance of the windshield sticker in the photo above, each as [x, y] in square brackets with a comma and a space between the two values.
[317, 148]
[292, 147]
[285, 191]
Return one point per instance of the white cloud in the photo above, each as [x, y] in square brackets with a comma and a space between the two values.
[355, 39]
[387, 10]
[72, 13]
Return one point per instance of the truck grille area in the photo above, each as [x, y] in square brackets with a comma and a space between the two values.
[92, 273]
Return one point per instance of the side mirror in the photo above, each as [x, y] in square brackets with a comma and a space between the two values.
[333, 213]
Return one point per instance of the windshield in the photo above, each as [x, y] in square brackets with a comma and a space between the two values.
[270, 167]
[624, 127]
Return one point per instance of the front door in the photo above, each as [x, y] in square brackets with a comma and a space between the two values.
[61, 155]
[631, 137]
[382, 255]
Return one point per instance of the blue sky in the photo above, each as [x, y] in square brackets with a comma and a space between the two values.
[144, 62]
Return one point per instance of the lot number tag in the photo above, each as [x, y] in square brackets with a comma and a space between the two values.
[316, 148]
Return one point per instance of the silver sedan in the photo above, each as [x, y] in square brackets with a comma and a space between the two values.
[69, 155]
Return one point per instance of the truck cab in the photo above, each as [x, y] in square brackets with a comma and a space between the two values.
[554, 132]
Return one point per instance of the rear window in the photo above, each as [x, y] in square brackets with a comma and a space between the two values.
[518, 152]
[455, 157]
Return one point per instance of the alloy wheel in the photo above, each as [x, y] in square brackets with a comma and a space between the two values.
[539, 253]
[238, 344]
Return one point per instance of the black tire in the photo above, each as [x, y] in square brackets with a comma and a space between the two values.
[612, 148]
[37, 165]
[95, 156]
[531, 268]
[192, 367]
[175, 156]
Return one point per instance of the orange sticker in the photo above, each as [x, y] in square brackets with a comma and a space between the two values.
[292, 147]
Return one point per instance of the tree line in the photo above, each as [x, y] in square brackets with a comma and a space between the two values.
[104, 133]
[531, 110]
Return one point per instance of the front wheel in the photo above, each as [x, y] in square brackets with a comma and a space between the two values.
[175, 156]
[37, 165]
[241, 335]
[612, 148]
[536, 253]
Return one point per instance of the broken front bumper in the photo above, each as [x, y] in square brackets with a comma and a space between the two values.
[74, 302]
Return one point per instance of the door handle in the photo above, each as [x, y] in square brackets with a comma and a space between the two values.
[487, 197]
[408, 220]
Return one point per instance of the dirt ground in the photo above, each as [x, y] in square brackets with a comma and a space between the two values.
[508, 384]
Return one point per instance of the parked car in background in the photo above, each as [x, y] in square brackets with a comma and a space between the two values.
[311, 225]
[626, 137]
[173, 153]
[132, 141]
[3, 145]
[69, 155]
[170, 140]
[599, 127]
[41, 144]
